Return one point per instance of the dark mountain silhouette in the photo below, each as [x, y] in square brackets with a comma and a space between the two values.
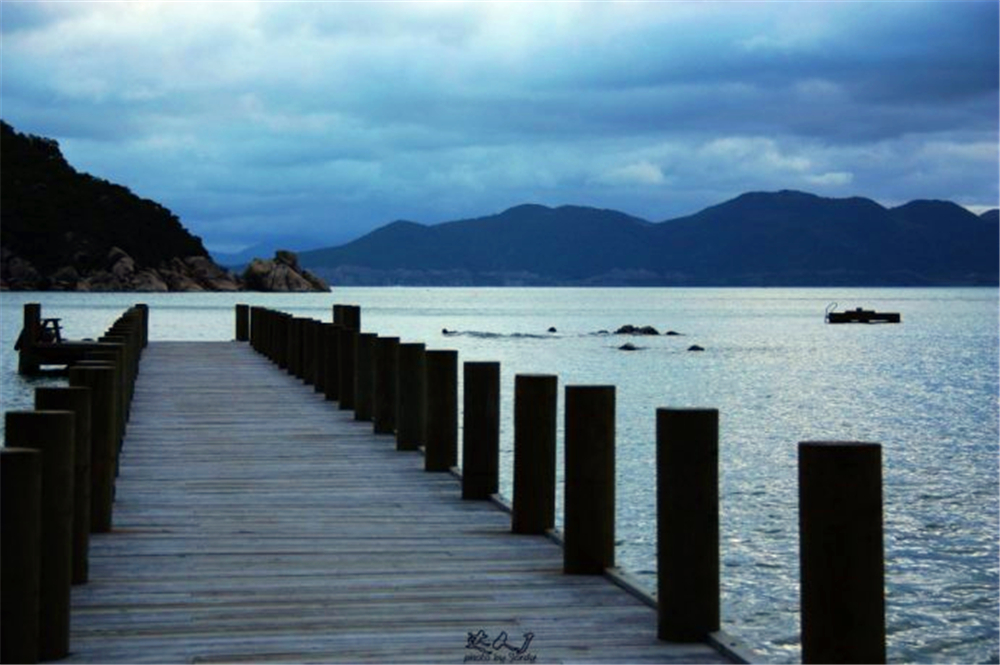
[779, 238]
[65, 230]
[51, 212]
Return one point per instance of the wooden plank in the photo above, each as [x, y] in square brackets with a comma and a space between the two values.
[256, 522]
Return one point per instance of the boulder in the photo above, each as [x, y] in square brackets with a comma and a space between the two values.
[64, 279]
[149, 281]
[19, 274]
[121, 265]
[209, 275]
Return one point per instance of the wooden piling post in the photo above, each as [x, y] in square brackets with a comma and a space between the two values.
[346, 358]
[687, 501]
[480, 430]
[77, 400]
[535, 397]
[27, 361]
[242, 323]
[365, 361]
[52, 433]
[411, 396]
[589, 513]
[331, 337]
[384, 385]
[103, 451]
[841, 552]
[320, 352]
[20, 552]
[143, 310]
[442, 410]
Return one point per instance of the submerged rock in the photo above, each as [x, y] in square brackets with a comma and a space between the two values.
[629, 329]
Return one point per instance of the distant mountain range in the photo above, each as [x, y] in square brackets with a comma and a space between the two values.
[785, 238]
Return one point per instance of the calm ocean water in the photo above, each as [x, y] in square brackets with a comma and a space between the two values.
[927, 390]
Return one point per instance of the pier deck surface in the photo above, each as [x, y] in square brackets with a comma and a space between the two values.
[255, 521]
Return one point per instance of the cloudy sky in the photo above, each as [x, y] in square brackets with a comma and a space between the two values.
[324, 120]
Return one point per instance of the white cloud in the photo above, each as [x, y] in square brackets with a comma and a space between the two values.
[636, 173]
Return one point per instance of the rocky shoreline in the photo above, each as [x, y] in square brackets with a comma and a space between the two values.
[120, 272]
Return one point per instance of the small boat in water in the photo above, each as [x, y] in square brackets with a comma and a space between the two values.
[860, 315]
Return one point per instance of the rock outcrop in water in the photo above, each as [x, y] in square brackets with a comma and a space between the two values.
[281, 274]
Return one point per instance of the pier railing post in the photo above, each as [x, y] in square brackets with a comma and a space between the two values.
[20, 550]
[331, 338]
[841, 552]
[103, 451]
[384, 385]
[535, 397]
[442, 410]
[27, 361]
[242, 323]
[322, 350]
[589, 514]
[411, 397]
[52, 433]
[364, 359]
[687, 469]
[480, 430]
[347, 350]
[76, 400]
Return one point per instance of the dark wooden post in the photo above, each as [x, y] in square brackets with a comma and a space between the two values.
[411, 397]
[590, 480]
[103, 451]
[346, 358]
[242, 323]
[687, 503]
[534, 508]
[331, 336]
[76, 400]
[20, 552]
[352, 317]
[27, 361]
[52, 433]
[308, 372]
[384, 385]
[442, 410]
[841, 552]
[365, 365]
[321, 350]
[143, 310]
[480, 430]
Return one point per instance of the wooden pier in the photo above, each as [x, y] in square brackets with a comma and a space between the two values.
[239, 513]
[254, 521]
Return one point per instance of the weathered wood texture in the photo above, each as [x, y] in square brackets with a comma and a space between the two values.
[257, 522]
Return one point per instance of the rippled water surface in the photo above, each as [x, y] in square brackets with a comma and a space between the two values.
[926, 389]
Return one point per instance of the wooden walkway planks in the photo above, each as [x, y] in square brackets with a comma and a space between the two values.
[257, 522]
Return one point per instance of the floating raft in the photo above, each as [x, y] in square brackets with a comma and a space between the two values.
[860, 315]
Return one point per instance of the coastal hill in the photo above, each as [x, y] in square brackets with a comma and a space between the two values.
[65, 230]
[785, 238]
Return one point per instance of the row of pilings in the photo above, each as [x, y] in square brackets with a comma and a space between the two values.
[57, 486]
[410, 392]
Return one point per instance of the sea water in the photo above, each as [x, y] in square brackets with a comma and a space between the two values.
[926, 389]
